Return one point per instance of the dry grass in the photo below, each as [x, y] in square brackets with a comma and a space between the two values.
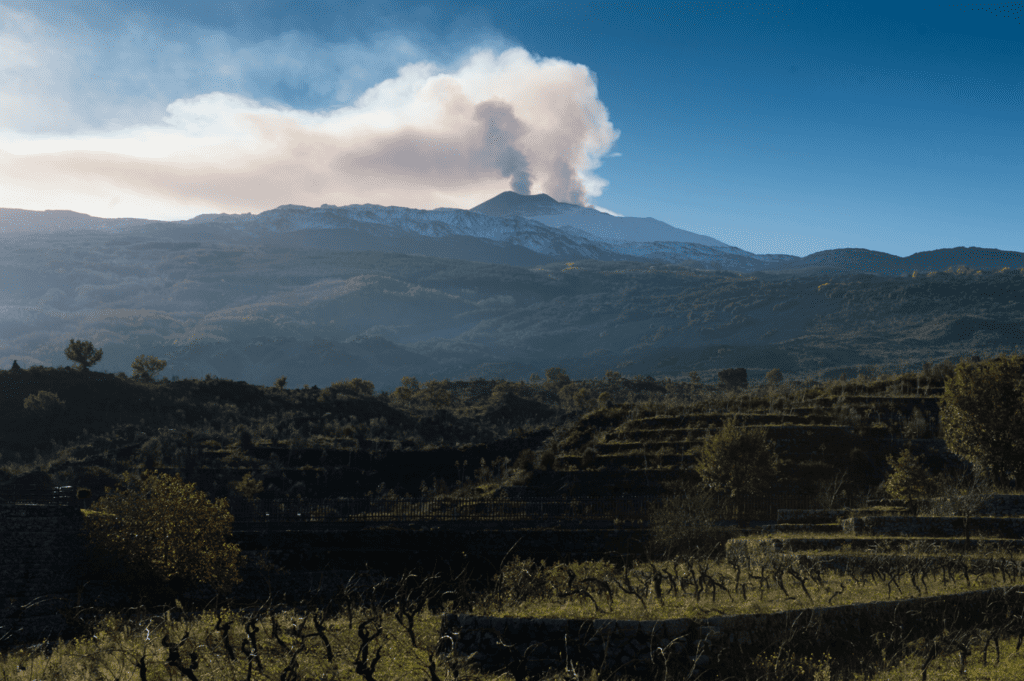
[704, 588]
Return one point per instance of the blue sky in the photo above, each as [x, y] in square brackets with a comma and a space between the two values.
[776, 127]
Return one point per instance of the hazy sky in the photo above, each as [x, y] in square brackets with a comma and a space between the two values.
[778, 127]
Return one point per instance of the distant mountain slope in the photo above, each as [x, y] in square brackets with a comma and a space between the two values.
[864, 261]
[15, 220]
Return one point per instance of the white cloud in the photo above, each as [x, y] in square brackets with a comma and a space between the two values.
[434, 135]
[605, 210]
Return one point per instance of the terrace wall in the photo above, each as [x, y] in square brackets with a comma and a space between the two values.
[934, 526]
[40, 557]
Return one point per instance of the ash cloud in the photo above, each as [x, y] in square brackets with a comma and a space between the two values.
[433, 135]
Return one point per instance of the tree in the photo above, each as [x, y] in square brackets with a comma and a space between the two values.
[410, 386]
[737, 460]
[773, 377]
[437, 393]
[83, 354]
[279, 383]
[688, 522]
[909, 481]
[146, 368]
[556, 377]
[981, 413]
[45, 405]
[732, 378]
[164, 534]
[694, 378]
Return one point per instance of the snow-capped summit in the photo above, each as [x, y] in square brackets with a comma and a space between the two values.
[590, 221]
[510, 203]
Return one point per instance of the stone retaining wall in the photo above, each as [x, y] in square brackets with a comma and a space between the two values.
[40, 557]
[934, 526]
[643, 648]
[799, 516]
[741, 546]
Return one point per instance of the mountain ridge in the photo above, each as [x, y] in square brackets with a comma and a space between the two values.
[510, 228]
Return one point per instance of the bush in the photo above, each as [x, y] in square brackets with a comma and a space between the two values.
[162, 535]
[45, 404]
[909, 481]
[737, 460]
[982, 416]
[687, 523]
[732, 378]
[525, 460]
[83, 354]
[146, 368]
[547, 460]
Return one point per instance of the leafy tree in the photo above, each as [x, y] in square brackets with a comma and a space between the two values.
[280, 383]
[165, 534]
[83, 354]
[737, 460]
[982, 416]
[732, 378]
[437, 393]
[909, 481]
[688, 522]
[248, 488]
[45, 405]
[146, 368]
[773, 377]
[410, 386]
[556, 377]
[694, 378]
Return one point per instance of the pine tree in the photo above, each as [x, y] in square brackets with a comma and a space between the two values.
[83, 353]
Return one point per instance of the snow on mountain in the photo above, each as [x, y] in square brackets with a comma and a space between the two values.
[535, 222]
[600, 226]
[440, 222]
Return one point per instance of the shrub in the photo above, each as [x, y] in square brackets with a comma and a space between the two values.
[45, 404]
[737, 460]
[83, 353]
[982, 415]
[547, 460]
[687, 522]
[145, 368]
[909, 481]
[163, 534]
[525, 460]
[732, 378]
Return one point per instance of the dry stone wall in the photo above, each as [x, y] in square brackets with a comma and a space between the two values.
[934, 526]
[40, 560]
[644, 648]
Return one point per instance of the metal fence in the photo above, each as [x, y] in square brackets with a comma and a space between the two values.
[41, 495]
[540, 510]
[363, 510]
[448, 510]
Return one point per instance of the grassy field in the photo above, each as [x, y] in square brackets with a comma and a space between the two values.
[390, 630]
[763, 582]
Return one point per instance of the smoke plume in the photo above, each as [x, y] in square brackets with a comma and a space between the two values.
[430, 136]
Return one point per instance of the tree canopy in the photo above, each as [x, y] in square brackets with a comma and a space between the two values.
[147, 367]
[83, 353]
[982, 416]
[165, 533]
[737, 460]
